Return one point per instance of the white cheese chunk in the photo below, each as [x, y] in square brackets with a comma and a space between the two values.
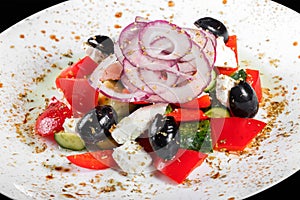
[223, 86]
[132, 158]
[69, 125]
[225, 56]
[132, 126]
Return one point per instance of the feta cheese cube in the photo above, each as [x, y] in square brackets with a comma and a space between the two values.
[223, 86]
[225, 56]
[132, 158]
[132, 126]
[69, 125]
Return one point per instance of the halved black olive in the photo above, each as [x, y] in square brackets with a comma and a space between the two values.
[164, 136]
[102, 43]
[94, 126]
[243, 100]
[214, 26]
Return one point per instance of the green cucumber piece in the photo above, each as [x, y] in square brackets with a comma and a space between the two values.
[70, 141]
[217, 112]
[212, 83]
[196, 136]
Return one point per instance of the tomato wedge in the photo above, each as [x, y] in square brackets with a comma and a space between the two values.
[79, 93]
[184, 162]
[72, 81]
[83, 67]
[187, 115]
[234, 133]
[94, 160]
[253, 78]
[52, 119]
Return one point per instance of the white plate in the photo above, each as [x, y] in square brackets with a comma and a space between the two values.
[267, 40]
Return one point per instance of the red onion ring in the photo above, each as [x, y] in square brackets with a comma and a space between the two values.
[95, 81]
[161, 62]
[170, 48]
[206, 41]
[191, 88]
[133, 75]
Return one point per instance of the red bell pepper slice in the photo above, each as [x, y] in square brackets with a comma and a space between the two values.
[234, 133]
[79, 93]
[141, 102]
[226, 70]
[179, 168]
[52, 119]
[187, 115]
[94, 160]
[253, 78]
[203, 101]
[231, 43]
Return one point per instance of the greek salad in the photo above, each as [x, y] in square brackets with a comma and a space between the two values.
[159, 95]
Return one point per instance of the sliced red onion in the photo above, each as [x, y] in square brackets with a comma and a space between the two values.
[129, 37]
[133, 75]
[192, 88]
[206, 41]
[161, 62]
[129, 48]
[138, 59]
[166, 78]
[118, 52]
[128, 85]
[171, 34]
[95, 81]
[210, 52]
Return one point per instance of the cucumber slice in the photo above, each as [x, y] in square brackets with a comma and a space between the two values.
[70, 141]
[217, 112]
[212, 83]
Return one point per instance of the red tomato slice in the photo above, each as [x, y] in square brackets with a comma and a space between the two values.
[73, 83]
[187, 115]
[80, 69]
[81, 96]
[253, 78]
[93, 160]
[184, 162]
[234, 133]
[52, 119]
[197, 103]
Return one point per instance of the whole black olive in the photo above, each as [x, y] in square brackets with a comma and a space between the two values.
[94, 126]
[243, 101]
[214, 26]
[102, 43]
[164, 136]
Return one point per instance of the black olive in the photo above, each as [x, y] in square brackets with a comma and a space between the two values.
[243, 101]
[94, 126]
[102, 43]
[214, 26]
[164, 136]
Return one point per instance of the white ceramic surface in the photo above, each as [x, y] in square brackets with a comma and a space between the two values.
[34, 168]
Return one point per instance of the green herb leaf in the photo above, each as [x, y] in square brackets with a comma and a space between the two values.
[196, 136]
